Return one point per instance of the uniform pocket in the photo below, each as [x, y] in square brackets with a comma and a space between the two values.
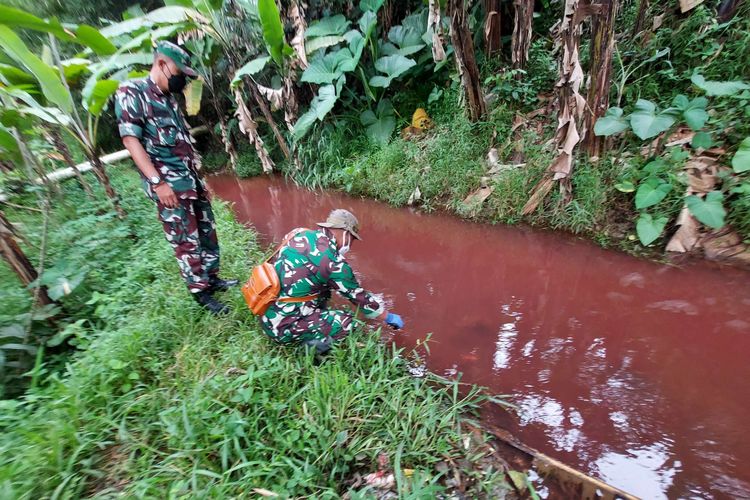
[166, 131]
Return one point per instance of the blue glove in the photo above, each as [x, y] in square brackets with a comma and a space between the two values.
[394, 320]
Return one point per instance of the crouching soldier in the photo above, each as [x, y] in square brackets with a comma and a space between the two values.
[310, 265]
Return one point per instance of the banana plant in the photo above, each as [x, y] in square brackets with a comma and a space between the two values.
[53, 84]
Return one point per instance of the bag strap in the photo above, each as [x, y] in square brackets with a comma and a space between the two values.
[286, 240]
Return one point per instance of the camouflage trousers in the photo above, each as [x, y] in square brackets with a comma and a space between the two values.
[191, 230]
[288, 323]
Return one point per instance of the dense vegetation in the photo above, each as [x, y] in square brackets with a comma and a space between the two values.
[627, 122]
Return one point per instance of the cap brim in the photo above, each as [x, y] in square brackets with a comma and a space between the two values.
[189, 71]
[331, 226]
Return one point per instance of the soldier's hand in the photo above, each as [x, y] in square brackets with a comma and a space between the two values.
[166, 195]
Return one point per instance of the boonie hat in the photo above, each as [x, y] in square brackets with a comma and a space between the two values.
[342, 219]
[180, 57]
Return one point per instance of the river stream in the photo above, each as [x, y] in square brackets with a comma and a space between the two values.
[634, 372]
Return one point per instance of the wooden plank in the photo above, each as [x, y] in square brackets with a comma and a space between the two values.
[591, 488]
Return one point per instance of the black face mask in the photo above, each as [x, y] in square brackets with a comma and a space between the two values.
[176, 83]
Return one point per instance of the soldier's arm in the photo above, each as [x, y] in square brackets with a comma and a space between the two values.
[342, 279]
[130, 122]
[143, 162]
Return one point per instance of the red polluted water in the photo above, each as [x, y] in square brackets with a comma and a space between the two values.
[634, 372]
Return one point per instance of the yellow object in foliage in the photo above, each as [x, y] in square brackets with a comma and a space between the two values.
[421, 120]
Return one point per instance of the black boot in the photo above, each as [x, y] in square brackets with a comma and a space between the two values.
[220, 285]
[209, 303]
[319, 347]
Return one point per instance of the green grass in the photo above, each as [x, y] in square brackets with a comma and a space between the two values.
[164, 401]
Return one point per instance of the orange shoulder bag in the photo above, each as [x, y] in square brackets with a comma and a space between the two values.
[263, 287]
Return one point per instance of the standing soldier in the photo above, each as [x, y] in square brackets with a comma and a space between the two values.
[155, 132]
[310, 266]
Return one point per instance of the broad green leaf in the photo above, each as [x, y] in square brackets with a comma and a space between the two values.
[741, 159]
[367, 23]
[333, 25]
[710, 211]
[647, 123]
[370, 5]
[48, 78]
[326, 68]
[356, 46]
[649, 229]
[409, 41]
[651, 192]
[303, 125]
[251, 68]
[625, 186]
[389, 49]
[713, 88]
[117, 62]
[681, 101]
[34, 108]
[75, 68]
[320, 106]
[611, 123]
[393, 67]
[60, 280]
[10, 16]
[701, 140]
[193, 93]
[93, 39]
[273, 30]
[695, 113]
[170, 15]
[381, 123]
[16, 76]
[102, 91]
[322, 42]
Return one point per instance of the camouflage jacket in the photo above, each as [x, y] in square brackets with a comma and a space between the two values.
[145, 112]
[311, 264]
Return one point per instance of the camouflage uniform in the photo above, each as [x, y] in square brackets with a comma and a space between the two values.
[311, 264]
[145, 112]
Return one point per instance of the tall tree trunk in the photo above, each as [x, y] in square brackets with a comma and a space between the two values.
[269, 118]
[492, 35]
[103, 178]
[521, 40]
[295, 17]
[227, 140]
[249, 127]
[571, 105]
[602, 45]
[17, 259]
[63, 149]
[640, 18]
[435, 27]
[463, 47]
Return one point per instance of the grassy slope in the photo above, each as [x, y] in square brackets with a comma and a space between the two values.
[448, 164]
[165, 401]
